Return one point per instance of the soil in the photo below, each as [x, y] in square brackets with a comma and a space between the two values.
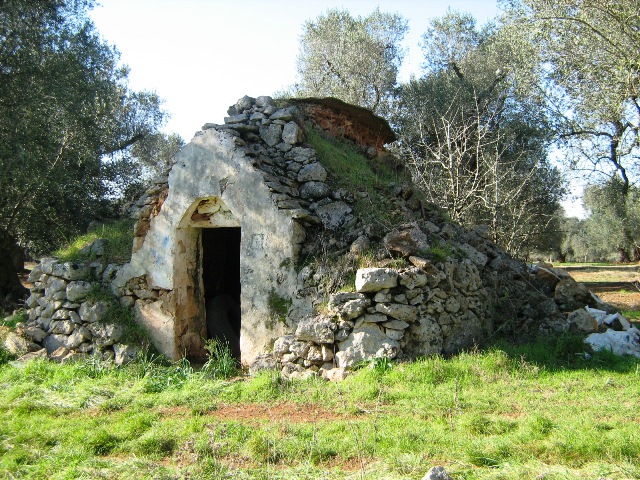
[253, 413]
[614, 284]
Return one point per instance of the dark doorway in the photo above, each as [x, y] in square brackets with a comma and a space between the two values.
[221, 282]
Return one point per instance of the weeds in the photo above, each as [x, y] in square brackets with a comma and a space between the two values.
[221, 363]
[118, 238]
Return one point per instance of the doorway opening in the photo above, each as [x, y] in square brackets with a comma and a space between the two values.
[221, 284]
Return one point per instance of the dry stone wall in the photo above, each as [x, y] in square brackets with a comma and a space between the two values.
[423, 285]
[69, 318]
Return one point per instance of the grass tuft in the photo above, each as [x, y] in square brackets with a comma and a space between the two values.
[118, 236]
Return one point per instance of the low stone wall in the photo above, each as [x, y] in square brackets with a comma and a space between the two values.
[68, 315]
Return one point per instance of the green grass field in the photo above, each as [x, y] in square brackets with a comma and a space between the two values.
[537, 411]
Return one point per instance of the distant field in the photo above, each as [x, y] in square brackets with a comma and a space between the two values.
[615, 284]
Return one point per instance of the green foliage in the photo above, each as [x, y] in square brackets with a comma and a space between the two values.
[583, 56]
[353, 59]
[220, 363]
[440, 253]
[12, 320]
[119, 240]
[64, 106]
[474, 143]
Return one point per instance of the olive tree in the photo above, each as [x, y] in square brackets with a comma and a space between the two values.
[353, 59]
[65, 106]
[473, 145]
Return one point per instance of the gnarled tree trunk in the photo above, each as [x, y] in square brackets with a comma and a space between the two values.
[11, 290]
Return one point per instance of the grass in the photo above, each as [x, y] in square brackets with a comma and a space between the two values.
[542, 410]
[352, 170]
[119, 240]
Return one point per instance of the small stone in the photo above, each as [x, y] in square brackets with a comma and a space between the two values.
[313, 172]
[314, 190]
[398, 311]
[394, 334]
[291, 133]
[437, 473]
[124, 354]
[318, 329]
[396, 324]
[375, 279]
[382, 296]
[78, 290]
[271, 134]
[285, 114]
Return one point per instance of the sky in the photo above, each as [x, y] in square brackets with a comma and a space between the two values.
[201, 56]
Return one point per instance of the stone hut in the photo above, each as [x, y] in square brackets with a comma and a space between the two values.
[232, 220]
[292, 234]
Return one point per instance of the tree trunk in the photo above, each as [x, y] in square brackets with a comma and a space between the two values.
[623, 255]
[636, 253]
[11, 290]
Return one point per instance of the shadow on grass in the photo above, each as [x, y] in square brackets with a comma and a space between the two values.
[566, 352]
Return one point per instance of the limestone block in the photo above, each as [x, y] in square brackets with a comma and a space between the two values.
[32, 301]
[17, 345]
[334, 215]
[361, 245]
[349, 305]
[452, 305]
[383, 296]
[406, 242]
[64, 327]
[375, 279]
[53, 342]
[424, 337]
[301, 155]
[292, 133]
[437, 473]
[412, 278]
[335, 374]
[239, 118]
[314, 190]
[244, 103]
[35, 334]
[93, 311]
[394, 334]
[78, 290]
[407, 313]
[71, 270]
[396, 324]
[46, 264]
[285, 114]
[124, 354]
[314, 355]
[375, 318]
[271, 134]
[264, 101]
[365, 343]
[318, 329]
[313, 172]
[105, 334]
[74, 317]
[282, 345]
[581, 321]
[478, 258]
[55, 284]
[35, 274]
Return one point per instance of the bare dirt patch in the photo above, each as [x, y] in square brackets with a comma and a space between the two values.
[254, 413]
[281, 412]
[614, 284]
